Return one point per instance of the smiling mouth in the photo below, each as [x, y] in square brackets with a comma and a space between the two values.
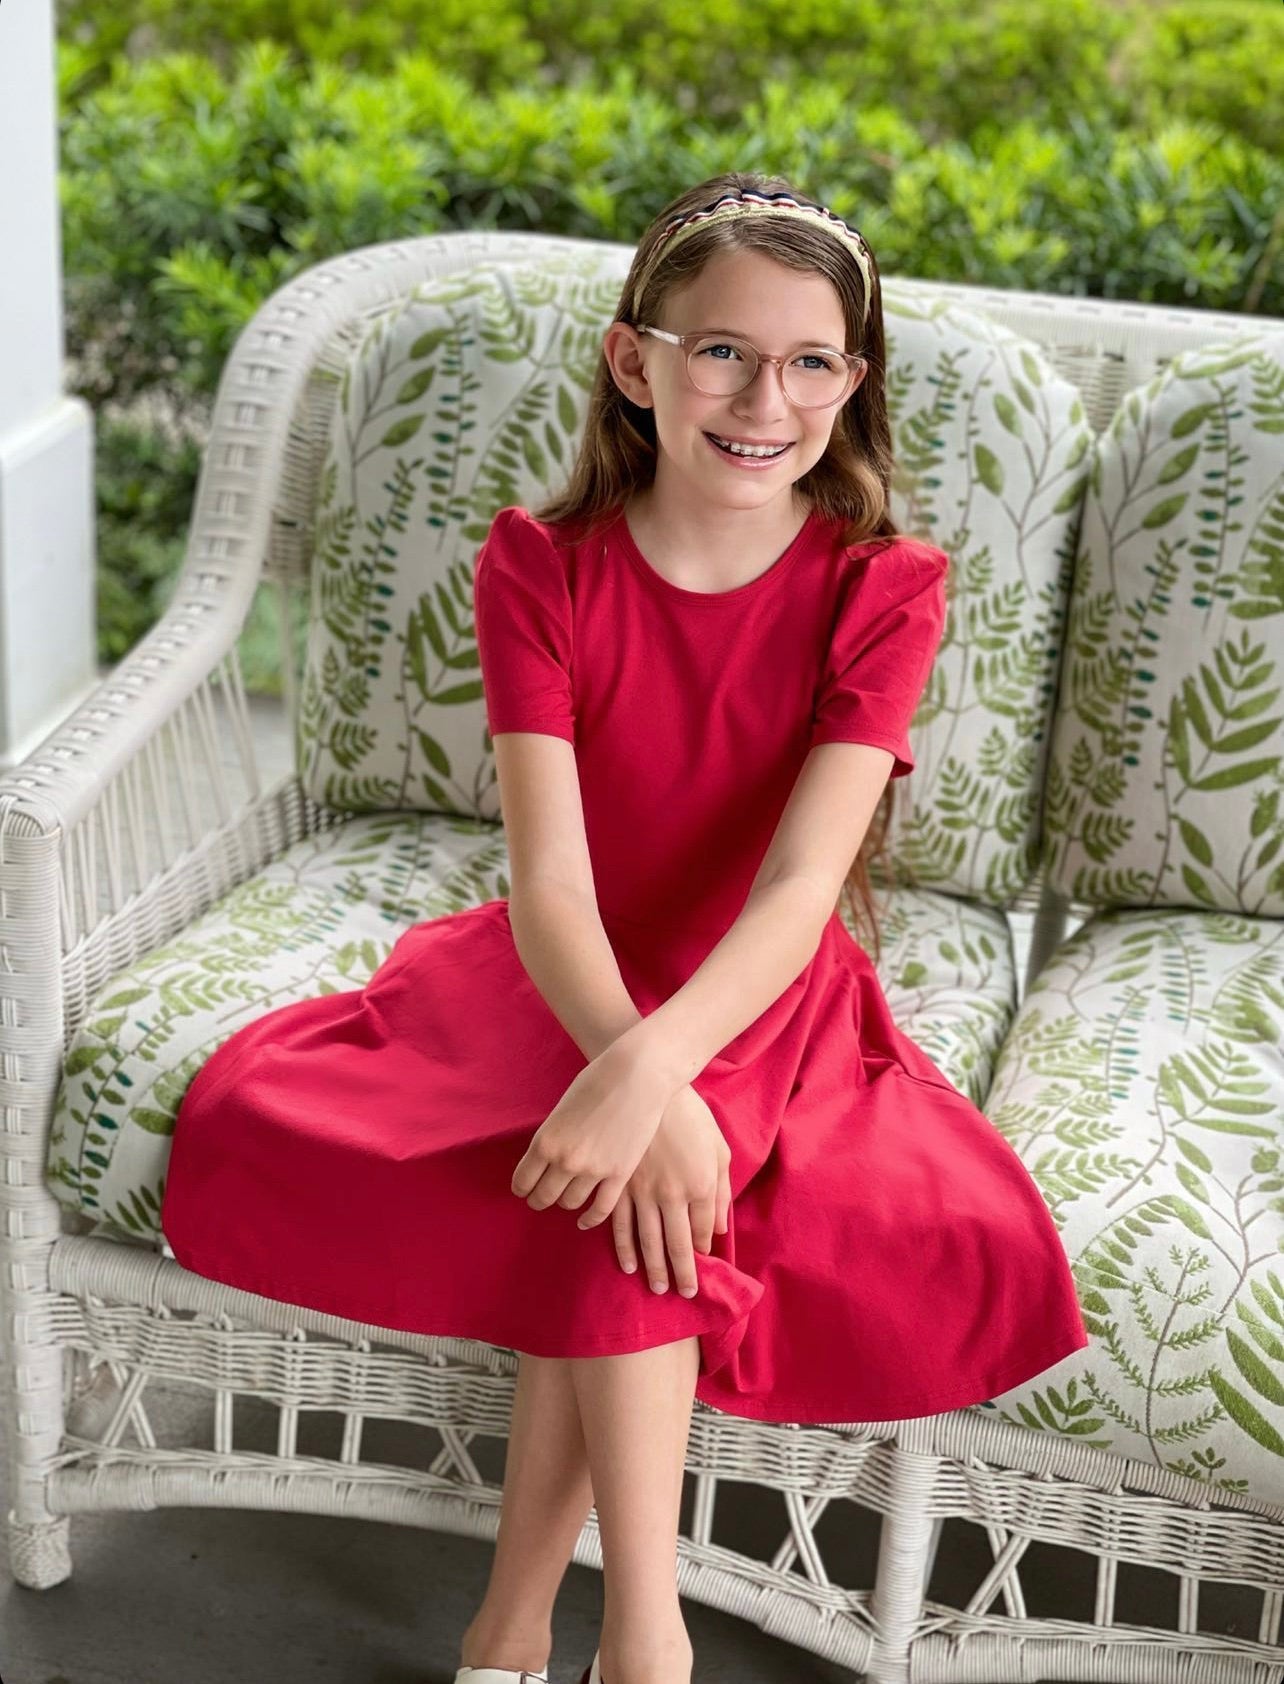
[749, 455]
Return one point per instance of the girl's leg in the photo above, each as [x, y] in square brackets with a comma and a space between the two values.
[547, 1498]
[636, 1415]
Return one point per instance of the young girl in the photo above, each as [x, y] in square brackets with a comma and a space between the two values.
[663, 1053]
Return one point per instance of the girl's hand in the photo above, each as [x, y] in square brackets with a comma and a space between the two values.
[593, 1136]
[680, 1193]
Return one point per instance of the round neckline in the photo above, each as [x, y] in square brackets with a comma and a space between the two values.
[737, 593]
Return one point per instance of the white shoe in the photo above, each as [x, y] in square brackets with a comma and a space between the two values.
[498, 1675]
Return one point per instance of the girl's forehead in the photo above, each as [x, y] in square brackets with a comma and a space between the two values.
[748, 292]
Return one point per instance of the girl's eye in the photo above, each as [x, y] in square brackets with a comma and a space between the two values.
[819, 361]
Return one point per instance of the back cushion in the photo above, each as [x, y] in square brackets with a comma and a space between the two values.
[993, 449]
[469, 394]
[1165, 785]
[461, 398]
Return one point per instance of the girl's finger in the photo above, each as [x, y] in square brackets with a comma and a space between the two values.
[651, 1239]
[577, 1190]
[609, 1191]
[677, 1233]
[529, 1169]
[622, 1227]
[702, 1218]
[724, 1198]
[548, 1189]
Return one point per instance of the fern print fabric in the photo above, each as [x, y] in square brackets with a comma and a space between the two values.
[1141, 1080]
[1166, 781]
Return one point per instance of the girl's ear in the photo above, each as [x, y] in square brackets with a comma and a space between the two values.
[622, 346]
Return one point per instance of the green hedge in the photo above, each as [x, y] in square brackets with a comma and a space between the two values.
[191, 193]
[188, 197]
[947, 67]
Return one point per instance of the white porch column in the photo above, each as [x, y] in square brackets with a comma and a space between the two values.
[47, 556]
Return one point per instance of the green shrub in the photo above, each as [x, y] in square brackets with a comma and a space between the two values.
[488, 42]
[948, 68]
[189, 195]
[1220, 63]
[145, 484]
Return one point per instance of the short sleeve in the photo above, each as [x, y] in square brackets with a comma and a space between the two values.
[889, 625]
[522, 614]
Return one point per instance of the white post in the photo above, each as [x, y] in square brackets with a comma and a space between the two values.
[48, 659]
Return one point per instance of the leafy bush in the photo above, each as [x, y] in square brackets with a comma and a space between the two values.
[189, 197]
[946, 67]
[190, 193]
[1218, 63]
[146, 482]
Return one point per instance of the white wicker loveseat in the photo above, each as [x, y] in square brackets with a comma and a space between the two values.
[155, 896]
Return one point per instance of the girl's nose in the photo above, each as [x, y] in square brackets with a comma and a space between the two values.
[765, 393]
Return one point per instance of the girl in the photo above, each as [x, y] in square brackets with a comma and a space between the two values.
[663, 1052]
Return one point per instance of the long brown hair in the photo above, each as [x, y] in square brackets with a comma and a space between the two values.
[851, 481]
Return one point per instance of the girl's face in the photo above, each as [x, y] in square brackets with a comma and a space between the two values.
[778, 310]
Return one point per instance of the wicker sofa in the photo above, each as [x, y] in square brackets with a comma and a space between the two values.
[1100, 743]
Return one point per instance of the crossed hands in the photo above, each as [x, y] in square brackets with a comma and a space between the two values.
[663, 1163]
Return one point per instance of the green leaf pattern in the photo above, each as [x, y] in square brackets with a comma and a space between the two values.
[463, 397]
[1140, 1083]
[1167, 761]
[992, 451]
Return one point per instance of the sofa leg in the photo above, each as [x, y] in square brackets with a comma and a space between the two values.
[40, 1551]
[38, 1375]
[37, 1379]
[908, 1539]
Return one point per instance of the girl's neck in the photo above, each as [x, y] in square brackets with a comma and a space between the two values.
[720, 554]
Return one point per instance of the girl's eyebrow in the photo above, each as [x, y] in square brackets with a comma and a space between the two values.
[735, 333]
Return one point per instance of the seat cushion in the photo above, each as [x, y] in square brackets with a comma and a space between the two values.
[949, 972]
[323, 918]
[1142, 1085]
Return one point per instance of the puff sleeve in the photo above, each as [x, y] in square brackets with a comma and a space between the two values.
[888, 627]
[522, 615]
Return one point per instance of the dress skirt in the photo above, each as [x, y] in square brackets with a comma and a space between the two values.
[888, 1255]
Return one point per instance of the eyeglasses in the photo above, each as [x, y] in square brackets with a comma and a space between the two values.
[817, 376]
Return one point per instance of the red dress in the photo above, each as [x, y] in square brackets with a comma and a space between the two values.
[887, 1253]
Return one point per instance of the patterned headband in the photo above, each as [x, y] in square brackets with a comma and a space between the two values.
[737, 204]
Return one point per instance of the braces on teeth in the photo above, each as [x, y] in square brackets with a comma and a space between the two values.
[746, 449]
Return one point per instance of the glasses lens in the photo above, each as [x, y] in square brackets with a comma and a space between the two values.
[721, 366]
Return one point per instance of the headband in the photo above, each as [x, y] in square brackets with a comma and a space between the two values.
[740, 203]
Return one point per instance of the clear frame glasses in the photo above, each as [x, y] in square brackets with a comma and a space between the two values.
[816, 377]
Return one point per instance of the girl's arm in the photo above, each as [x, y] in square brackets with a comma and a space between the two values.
[790, 901]
[563, 946]
[552, 904]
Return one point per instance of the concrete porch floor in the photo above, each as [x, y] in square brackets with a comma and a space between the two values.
[268, 1598]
